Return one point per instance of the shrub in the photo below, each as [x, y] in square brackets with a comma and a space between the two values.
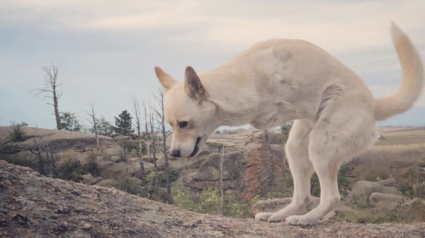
[183, 199]
[91, 166]
[403, 214]
[23, 159]
[129, 184]
[69, 169]
[17, 133]
[276, 138]
[209, 202]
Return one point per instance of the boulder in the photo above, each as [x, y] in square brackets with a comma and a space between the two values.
[363, 189]
[414, 201]
[108, 169]
[90, 180]
[386, 201]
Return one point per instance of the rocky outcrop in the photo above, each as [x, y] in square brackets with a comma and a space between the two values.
[265, 169]
[35, 206]
[58, 141]
[257, 169]
[208, 174]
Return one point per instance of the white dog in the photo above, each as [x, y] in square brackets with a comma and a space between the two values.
[279, 80]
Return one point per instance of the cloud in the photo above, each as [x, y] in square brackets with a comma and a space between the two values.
[334, 25]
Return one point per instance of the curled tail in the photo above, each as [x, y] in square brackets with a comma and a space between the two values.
[411, 82]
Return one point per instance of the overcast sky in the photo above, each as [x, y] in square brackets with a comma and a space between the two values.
[108, 48]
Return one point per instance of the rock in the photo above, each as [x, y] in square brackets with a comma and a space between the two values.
[86, 226]
[363, 189]
[265, 168]
[388, 182]
[390, 190]
[414, 201]
[106, 183]
[90, 180]
[108, 169]
[386, 201]
[30, 206]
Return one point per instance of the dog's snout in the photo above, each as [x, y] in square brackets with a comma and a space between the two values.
[175, 153]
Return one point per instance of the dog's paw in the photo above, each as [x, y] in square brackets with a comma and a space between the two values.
[263, 216]
[302, 221]
[277, 218]
[293, 220]
[306, 221]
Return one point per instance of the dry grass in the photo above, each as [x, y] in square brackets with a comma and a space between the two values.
[406, 214]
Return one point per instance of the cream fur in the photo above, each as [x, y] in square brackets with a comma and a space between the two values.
[279, 80]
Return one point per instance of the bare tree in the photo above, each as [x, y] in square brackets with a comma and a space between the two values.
[136, 109]
[222, 181]
[94, 121]
[45, 164]
[153, 139]
[159, 98]
[51, 86]
[147, 134]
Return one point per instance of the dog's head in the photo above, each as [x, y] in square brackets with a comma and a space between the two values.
[188, 111]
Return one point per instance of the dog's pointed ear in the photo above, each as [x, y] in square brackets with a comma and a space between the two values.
[166, 80]
[193, 85]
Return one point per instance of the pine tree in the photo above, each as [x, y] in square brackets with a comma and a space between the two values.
[123, 124]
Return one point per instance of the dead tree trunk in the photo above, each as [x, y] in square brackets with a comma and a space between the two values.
[93, 120]
[136, 108]
[51, 87]
[161, 120]
[147, 135]
[221, 181]
[153, 138]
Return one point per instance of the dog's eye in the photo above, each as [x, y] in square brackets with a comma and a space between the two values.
[182, 124]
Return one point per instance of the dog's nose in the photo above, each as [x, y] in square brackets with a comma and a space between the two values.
[175, 153]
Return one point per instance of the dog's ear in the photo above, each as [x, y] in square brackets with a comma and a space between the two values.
[165, 79]
[193, 85]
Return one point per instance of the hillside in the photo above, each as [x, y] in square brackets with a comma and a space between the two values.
[35, 206]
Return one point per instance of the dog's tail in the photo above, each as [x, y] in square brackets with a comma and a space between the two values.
[411, 82]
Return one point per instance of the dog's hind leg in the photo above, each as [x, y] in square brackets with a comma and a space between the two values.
[329, 194]
[301, 170]
[330, 144]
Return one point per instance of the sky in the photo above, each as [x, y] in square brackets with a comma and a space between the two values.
[108, 49]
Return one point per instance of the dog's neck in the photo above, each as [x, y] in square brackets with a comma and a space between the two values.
[232, 92]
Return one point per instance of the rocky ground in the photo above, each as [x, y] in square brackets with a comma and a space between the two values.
[35, 206]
